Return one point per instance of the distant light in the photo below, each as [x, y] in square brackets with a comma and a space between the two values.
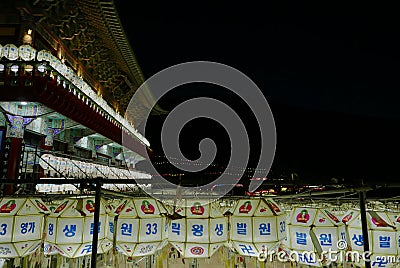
[14, 68]
[1, 67]
[29, 68]
[41, 68]
[24, 103]
[27, 39]
[258, 179]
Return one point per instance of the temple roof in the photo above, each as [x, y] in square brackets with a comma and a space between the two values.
[94, 43]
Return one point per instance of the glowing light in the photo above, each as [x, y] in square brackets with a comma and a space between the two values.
[14, 68]
[41, 68]
[28, 68]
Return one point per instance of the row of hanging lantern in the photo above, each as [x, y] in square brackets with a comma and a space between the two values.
[142, 226]
[74, 188]
[138, 227]
[317, 237]
[79, 169]
[28, 53]
[67, 229]
[135, 227]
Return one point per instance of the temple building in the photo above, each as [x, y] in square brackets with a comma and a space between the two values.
[67, 74]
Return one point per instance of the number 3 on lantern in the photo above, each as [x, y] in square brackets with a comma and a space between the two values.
[282, 226]
[148, 232]
[3, 229]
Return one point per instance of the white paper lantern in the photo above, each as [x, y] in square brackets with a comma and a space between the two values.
[26, 52]
[257, 226]
[201, 232]
[140, 228]
[69, 228]
[10, 51]
[395, 219]
[21, 226]
[313, 231]
[382, 234]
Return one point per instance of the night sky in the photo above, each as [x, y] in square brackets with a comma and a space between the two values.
[329, 72]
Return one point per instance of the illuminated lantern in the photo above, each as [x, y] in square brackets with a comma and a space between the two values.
[312, 231]
[140, 229]
[395, 219]
[21, 226]
[257, 226]
[10, 51]
[69, 228]
[382, 236]
[201, 232]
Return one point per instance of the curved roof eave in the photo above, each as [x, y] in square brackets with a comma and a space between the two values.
[110, 30]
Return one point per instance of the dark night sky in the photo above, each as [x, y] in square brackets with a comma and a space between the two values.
[328, 70]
